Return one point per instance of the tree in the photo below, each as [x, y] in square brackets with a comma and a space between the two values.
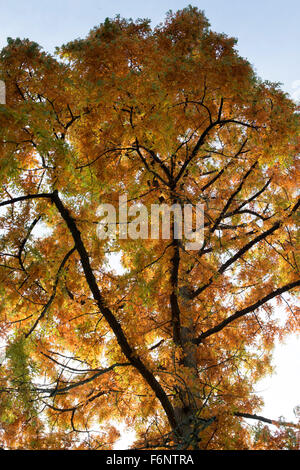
[174, 343]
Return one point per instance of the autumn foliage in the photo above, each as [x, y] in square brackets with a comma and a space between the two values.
[173, 342]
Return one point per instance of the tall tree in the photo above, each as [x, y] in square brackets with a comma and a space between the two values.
[174, 343]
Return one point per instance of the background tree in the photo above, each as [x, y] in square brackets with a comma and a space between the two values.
[175, 344]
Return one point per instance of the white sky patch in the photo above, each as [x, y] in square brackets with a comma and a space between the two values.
[296, 93]
[127, 437]
[281, 391]
[114, 263]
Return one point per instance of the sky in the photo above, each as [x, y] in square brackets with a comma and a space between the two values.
[268, 36]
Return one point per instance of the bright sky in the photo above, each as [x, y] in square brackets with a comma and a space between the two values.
[268, 36]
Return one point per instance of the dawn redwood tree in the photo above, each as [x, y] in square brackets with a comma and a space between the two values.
[174, 343]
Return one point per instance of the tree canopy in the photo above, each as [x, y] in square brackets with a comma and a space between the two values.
[173, 343]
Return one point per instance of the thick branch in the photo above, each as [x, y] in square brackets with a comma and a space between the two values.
[173, 297]
[244, 311]
[59, 391]
[265, 420]
[127, 350]
[24, 198]
[237, 256]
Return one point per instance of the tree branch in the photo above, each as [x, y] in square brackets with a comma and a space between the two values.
[242, 251]
[265, 420]
[244, 311]
[127, 350]
[24, 198]
[201, 140]
[48, 304]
